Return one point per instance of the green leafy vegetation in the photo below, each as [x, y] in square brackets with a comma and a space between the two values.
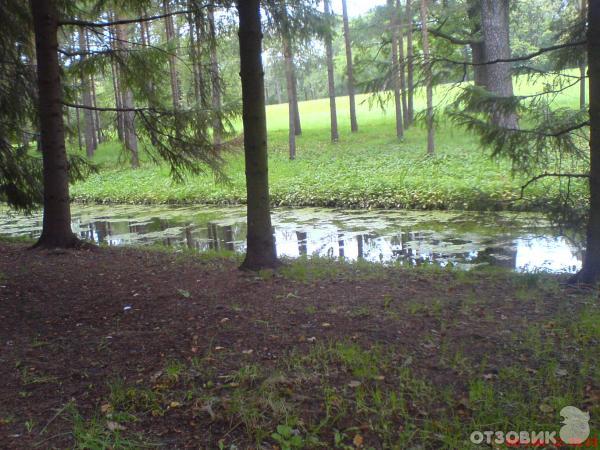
[371, 169]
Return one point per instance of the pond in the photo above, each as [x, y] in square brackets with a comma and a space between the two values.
[523, 242]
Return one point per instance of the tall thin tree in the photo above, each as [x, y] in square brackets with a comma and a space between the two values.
[402, 62]
[335, 136]
[349, 68]
[410, 65]
[261, 252]
[86, 95]
[215, 78]
[396, 68]
[171, 38]
[428, 78]
[289, 77]
[583, 62]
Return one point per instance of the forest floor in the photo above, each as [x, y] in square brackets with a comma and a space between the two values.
[128, 348]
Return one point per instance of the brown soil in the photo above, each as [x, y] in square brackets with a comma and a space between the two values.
[73, 320]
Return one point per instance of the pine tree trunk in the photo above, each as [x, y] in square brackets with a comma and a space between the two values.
[97, 123]
[402, 63]
[200, 38]
[261, 251]
[396, 68]
[126, 95]
[590, 272]
[170, 34]
[88, 114]
[116, 86]
[335, 136]
[349, 68]
[496, 42]
[428, 79]
[297, 125]
[214, 77]
[410, 68]
[477, 48]
[582, 64]
[56, 229]
[289, 77]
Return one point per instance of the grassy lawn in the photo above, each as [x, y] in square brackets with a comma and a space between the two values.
[186, 351]
[368, 169]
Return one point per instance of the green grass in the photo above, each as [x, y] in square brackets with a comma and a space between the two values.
[368, 169]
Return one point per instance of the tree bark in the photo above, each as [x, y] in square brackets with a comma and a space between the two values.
[297, 125]
[410, 67]
[170, 34]
[97, 123]
[477, 47]
[289, 77]
[349, 68]
[88, 114]
[214, 77]
[335, 135]
[582, 65]
[116, 85]
[126, 95]
[428, 79]
[590, 272]
[496, 43]
[402, 63]
[56, 228]
[261, 252]
[396, 68]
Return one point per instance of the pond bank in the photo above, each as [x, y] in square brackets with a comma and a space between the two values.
[124, 348]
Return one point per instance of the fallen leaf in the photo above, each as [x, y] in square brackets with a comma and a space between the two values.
[354, 384]
[325, 325]
[358, 441]
[114, 426]
[174, 405]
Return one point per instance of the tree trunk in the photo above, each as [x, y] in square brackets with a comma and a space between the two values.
[289, 77]
[402, 63]
[56, 229]
[335, 136]
[261, 252]
[582, 64]
[410, 68]
[200, 38]
[170, 34]
[428, 79]
[590, 273]
[97, 123]
[496, 43]
[349, 68]
[297, 125]
[128, 117]
[477, 47]
[214, 77]
[88, 114]
[396, 68]
[116, 86]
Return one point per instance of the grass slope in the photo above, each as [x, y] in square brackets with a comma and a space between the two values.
[368, 169]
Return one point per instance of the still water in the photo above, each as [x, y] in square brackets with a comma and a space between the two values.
[523, 242]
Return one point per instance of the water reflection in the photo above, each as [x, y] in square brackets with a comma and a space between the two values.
[523, 243]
